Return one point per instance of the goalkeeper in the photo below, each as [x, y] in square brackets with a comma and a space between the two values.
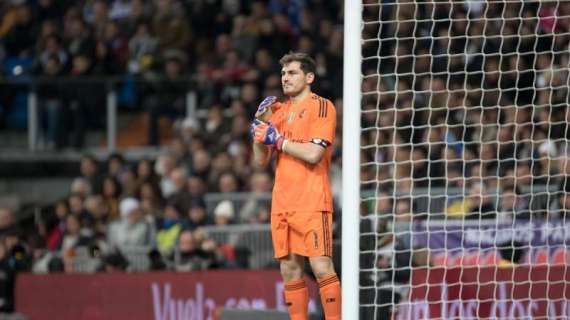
[300, 132]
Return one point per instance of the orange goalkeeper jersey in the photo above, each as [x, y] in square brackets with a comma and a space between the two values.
[300, 186]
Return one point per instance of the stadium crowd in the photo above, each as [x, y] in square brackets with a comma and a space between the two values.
[475, 104]
[232, 48]
[156, 51]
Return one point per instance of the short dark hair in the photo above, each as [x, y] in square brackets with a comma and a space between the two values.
[307, 63]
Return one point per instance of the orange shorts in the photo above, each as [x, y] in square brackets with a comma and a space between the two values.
[307, 234]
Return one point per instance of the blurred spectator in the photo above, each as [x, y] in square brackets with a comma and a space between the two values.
[224, 213]
[215, 126]
[81, 187]
[156, 261]
[19, 40]
[560, 205]
[99, 211]
[165, 164]
[260, 184]
[166, 95]
[512, 205]
[142, 47]
[227, 183]
[74, 237]
[201, 164]
[115, 261]
[476, 205]
[7, 220]
[111, 193]
[51, 103]
[131, 229]
[192, 255]
[89, 169]
[84, 98]
[151, 200]
[77, 208]
[129, 183]
[115, 164]
[54, 229]
[78, 38]
[168, 229]
[180, 196]
[145, 172]
[170, 25]
[14, 258]
[197, 216]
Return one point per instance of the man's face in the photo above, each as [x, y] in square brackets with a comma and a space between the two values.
[294, 80]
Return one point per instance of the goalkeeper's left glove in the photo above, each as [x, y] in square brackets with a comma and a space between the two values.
[265, 105]
[268, 135]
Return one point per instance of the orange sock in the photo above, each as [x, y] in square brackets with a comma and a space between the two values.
[297, 299]
[329, 288]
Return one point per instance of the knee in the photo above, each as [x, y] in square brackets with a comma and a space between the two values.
[322, 266]
[290, 270]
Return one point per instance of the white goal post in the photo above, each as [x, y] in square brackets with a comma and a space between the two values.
[351, 158]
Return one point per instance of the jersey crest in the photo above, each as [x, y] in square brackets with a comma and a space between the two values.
[291, 117]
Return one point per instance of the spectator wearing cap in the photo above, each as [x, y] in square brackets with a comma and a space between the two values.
[131, 229]
[224, 213]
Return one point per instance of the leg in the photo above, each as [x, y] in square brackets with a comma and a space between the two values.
[292, 267]
[329, 286]
[318, 242]
[296, 292]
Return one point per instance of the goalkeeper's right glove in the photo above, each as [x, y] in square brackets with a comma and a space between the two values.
[268, 135]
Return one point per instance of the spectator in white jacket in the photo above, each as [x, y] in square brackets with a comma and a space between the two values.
[131, 230]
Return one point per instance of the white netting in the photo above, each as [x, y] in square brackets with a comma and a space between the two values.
[464, 159]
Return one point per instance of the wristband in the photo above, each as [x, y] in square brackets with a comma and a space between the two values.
[280, 143]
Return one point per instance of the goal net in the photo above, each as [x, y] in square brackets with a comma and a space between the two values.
[464, 160]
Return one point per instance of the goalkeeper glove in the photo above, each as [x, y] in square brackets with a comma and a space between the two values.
[254, 125]
[268, 135]
[264, 106]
